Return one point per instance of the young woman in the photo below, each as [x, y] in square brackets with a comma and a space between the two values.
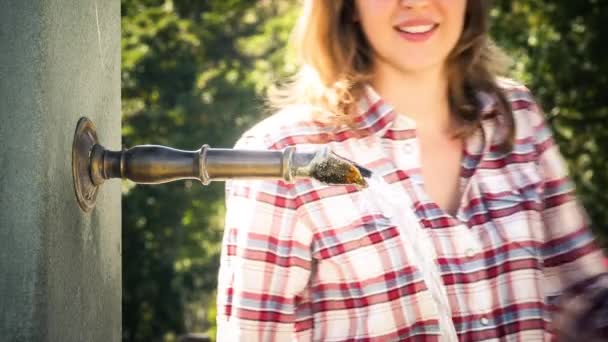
[410, 90]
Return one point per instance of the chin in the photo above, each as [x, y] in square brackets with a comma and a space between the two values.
[416, 66]
[416, 60]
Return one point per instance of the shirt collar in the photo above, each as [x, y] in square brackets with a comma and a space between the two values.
[375, 116]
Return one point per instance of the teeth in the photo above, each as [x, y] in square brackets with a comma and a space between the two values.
[417, 29]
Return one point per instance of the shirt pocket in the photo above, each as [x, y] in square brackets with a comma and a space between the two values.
[364, 272]
[513, 203]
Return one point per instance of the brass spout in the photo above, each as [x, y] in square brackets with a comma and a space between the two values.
[154, 164]
[92, 165]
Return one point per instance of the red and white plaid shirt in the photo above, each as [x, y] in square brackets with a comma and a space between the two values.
[306, 261]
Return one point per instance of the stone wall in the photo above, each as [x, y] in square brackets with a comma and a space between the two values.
[60, 268]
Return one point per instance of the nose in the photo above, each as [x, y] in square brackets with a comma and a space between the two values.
[415, 3]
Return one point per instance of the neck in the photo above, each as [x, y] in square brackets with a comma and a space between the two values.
[422, 96]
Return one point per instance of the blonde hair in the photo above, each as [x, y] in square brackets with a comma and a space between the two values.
[335, 61]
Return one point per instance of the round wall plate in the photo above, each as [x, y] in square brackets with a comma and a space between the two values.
[85, 138]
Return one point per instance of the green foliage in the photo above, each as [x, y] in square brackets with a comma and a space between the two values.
[194, 73]
[560, 53]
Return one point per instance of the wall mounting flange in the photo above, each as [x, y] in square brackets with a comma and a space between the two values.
[85, 138]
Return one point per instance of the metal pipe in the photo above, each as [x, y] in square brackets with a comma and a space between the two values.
[92, 165]
[155, 164]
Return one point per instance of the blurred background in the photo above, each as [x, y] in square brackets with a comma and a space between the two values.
[196, 72]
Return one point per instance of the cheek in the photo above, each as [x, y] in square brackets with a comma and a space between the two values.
[374, 25]
[454, 14]
[454, 11]
[371, 13]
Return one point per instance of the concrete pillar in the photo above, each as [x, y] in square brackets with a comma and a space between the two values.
[60, 268]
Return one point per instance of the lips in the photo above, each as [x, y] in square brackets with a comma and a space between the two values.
[416, 30]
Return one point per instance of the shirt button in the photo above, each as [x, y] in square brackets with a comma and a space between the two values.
[484, 320]
[470, 252]
[407, 148]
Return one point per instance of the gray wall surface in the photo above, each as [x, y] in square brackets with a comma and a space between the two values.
[60, 269]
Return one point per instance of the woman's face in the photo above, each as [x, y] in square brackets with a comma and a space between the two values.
[411, 35]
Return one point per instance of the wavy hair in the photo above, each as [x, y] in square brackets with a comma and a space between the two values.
[335, 61]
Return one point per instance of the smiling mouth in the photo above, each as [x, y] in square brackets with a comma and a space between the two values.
[417, 33]
[418, 29]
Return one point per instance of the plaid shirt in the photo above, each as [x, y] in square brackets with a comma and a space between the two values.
[306, 261]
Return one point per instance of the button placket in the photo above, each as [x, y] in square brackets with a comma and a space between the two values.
[470, 249]
[472, 246]
[407, 154]
[407, 147]
[470, 252]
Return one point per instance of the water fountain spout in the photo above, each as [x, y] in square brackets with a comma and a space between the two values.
[92, 165]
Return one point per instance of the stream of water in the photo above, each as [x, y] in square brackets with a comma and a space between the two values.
[397, 206]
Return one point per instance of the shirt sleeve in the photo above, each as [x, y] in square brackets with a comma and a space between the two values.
[570, 253]
[265, 262]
